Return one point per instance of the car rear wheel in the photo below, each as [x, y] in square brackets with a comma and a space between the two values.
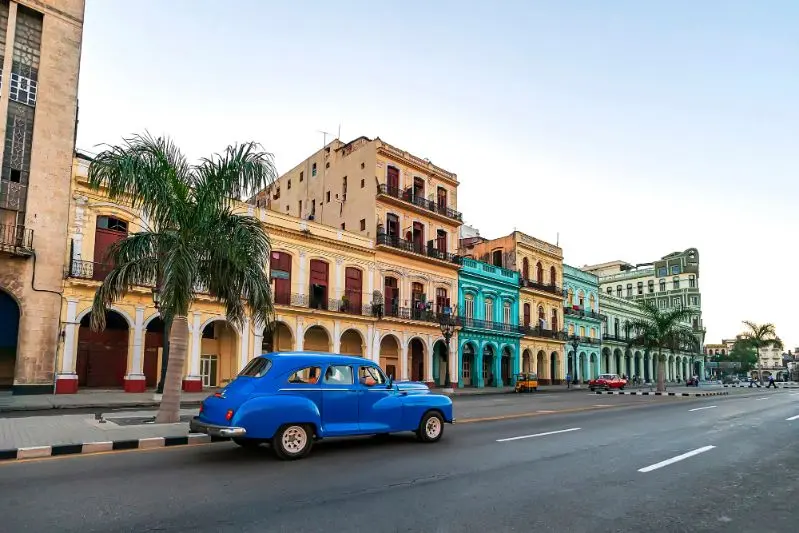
[292, 441]
[247, 443]
[431, 428]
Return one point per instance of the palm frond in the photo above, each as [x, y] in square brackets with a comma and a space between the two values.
[239, 172]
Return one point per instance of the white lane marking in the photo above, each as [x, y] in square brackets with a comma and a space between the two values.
[543, 411]
[538, 434]
[766, 398]
[673, 460]
[793, 418]
[602, 405]
[700, 408]
[794, 394]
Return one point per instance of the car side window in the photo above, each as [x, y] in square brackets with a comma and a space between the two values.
[308, 375]
[338, 375]
[370, 376]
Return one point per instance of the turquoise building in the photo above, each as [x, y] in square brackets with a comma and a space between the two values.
[488, 342]
[583, 323]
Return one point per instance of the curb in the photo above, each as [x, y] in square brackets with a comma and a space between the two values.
[681, 394]
[104, 406]
[758, 386]
[35, 452]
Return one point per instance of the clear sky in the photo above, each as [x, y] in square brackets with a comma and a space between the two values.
[630, 129]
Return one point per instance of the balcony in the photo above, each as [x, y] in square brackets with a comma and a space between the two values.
[16, 240]
[583, 313]
[491, 325]
[305, 301]
[583, 340]
[418, 201]
[546, 287]
[412, 247]
[537, 331]
[87, 270]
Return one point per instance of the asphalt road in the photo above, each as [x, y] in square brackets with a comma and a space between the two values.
[611, 469]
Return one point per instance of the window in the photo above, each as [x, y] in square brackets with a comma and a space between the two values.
[344, 226]
[581, 298]
[363, 183]
[541, 318]
[610, 290]
[662, 271]
[582, 331]
[496, 258]
[618, 291]
[441, 198]
[371, 375]
[328, 196]
[539, 273]
[629, 289]
[651, 285]
[525, 268]
[692, 282]
[506, 313]
[593, 333]
[302, 176]
[288, 184]
[344, 189]
[662, 303]
[299, 209]
[675, 269]
[640, 287]
[553, 276]
[571, 297]
[489, 310]
[468, 306]
[593, 302]
[256, 367]
[338, 375]
[662, 285]
[313, 170]
[676, 302]
[112, 224]
[554, 320]
[571, 329]
[363, 224]
[675, 283]
[307, 376]
[276, 196]
[527, 315]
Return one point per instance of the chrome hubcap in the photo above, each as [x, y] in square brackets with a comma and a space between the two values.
[294, 439]
[433, 427]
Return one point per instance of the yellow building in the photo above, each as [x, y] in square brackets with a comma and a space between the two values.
[40, 48]
[327, 289]
[540, 265]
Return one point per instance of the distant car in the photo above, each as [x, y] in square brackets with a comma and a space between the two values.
[291, 399]
[607, 382]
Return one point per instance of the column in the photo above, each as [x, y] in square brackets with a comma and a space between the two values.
[459, 362]
[477, 371]
[299, 335]
[454, 362]
[428, 364]
[702, 369]
[67, 380]
[134, 381]
[598, 364]
[258, 339]
[498, 368]
[193, 382]
[404, 358]
[302, 283]
[337, 336]
[376, 346]
[370, 333]
[339, 279]
[244, 345]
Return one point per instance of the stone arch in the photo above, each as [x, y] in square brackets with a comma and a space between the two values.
[541, 367]
[554, 367]
[278, 337]
[604, 366]
[417, 358]
[102, 360]
[617, 360]
[352, 342]
[80, 316]
[317, 338]
[389, 355]
[489, 353]
[441, 363]
[468, 363]
[592, 366]
[527, 361]
[583, 366]
[508, 364]
[10, 315]
[219, 351]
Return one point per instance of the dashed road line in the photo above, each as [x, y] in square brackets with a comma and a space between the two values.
[766, 398]
[673, 460]
[792, 418]
[520, 437]
[701, 408]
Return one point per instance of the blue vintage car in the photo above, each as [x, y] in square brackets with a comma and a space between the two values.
[292, 399]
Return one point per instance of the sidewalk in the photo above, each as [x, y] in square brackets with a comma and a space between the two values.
[100, 399]
[485, 391]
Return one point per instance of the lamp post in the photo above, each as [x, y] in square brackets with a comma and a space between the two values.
[447, 324]
[165, 350]
[575, 342]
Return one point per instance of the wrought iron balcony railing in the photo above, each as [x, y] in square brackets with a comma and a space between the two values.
[325, 304]
[583, 313]
[419, 201]
[546, 287]
[492, 325]
[536, 331]
[410, 246]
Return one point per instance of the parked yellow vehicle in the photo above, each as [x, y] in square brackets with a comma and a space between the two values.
[527, 382]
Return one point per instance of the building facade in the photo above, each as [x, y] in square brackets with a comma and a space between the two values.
[672, 281]
[540, 268]
[583, 323]
[488, 346]
[40, 47]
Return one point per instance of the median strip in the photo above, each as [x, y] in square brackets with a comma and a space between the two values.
[673, 460]
[538, 434]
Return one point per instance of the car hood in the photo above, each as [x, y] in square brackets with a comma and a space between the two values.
[412, 387]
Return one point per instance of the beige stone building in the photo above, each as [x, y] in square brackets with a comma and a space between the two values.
[40, 48]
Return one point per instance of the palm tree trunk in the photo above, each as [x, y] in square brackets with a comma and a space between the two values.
[661, 372]
[169, 411]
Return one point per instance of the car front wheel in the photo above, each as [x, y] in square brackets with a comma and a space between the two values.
[292, 441]
[431, 428]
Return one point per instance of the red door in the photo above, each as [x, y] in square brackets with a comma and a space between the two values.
[353, 289]
[103, 239]
[102, 357]
[441, 197]
[441, 241]
[153, 340]
[527, 315]
[418, 237]
[392, 180]
[392, 296]
[525, 269]
[281, 273]
[441, 300]
[318, 288]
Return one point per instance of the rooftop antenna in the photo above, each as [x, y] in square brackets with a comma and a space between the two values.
[557, 239]
[339, 131]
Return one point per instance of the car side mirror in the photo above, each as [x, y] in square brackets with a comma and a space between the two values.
[390, 382]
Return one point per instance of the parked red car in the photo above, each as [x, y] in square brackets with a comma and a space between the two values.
[607, 382]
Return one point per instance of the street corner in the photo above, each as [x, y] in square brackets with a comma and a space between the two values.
[96, 447]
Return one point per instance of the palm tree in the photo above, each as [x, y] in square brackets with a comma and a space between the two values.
[194, 241]
[660, 330]
[760, 336]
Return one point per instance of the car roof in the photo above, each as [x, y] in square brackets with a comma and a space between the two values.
[318, 357]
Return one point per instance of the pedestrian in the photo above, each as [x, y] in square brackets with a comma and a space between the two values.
[568, 381]
[771, 383]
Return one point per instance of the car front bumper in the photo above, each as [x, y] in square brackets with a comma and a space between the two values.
[198, 426]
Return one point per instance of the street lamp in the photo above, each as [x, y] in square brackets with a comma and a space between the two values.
[165, 350]
[575, 342]
[447, 324]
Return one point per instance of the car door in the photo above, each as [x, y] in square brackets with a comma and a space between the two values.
[339, 401]
[379, 406]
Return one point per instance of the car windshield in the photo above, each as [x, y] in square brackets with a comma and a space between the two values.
[256, 368]
[606, 376]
